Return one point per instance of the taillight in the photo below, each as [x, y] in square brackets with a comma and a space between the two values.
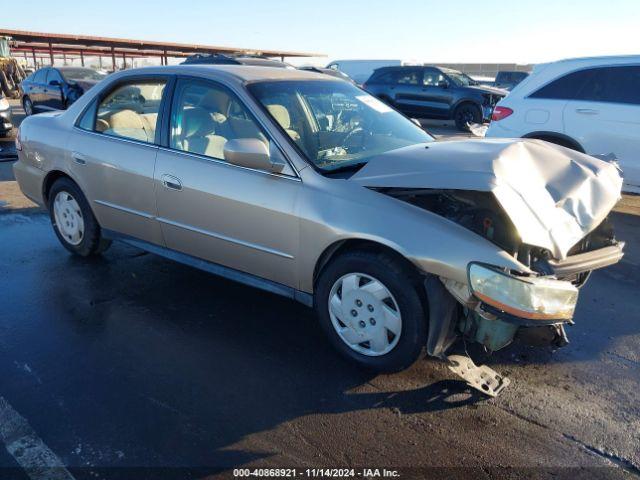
[18, 143]
[500, 113]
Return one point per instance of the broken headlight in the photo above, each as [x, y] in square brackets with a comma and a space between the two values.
[532, 298]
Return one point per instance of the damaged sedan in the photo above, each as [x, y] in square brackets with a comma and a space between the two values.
[308, 187]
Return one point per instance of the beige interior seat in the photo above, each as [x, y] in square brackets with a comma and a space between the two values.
[129, 124]
[281, 114]
[198, 134]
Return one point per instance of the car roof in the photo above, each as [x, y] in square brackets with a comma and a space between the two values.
[245, 73]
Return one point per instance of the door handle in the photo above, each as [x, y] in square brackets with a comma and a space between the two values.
[587, 111]
[79, 158]
[171, 182]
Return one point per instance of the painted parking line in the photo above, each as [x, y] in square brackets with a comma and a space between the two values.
[28, 450]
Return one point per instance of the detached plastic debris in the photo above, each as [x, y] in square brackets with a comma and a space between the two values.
[479, 129]
[482, 378]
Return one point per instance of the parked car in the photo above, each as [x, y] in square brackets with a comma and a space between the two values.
[361, 70]
[308, 187]
[591, 105]
[331, 72]
[221, 59]
[507, 80]
[432, 92]
[6, 125]
[56, 88]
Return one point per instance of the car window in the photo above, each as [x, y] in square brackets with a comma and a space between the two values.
[333, 123]
[205, 116]
[411, 77]
[612, 84]
[566, 87]
[53, 75]
[131, 110]
[40, 76]
[432, 78]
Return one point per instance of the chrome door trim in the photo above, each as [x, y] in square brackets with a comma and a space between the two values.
[225, 238]
[114, 137]
[125, 209]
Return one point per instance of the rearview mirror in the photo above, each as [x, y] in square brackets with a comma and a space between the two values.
[251, 153]
[443, 84]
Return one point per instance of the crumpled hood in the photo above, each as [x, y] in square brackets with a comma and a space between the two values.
[554, 196]
[487, 89]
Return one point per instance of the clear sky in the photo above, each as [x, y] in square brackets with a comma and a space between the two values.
[521, 31]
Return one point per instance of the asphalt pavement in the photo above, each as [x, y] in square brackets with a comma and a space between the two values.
[131, 366]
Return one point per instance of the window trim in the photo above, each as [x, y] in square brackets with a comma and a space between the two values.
[591, 67]
[102, 94]
[166, 128]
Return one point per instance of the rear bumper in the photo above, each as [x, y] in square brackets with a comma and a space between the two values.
[30, 181]
[6, 123]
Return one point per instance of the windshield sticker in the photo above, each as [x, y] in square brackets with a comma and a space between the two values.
[374, 103]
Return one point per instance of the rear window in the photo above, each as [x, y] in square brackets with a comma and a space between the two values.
[604, 84]
[397, 76]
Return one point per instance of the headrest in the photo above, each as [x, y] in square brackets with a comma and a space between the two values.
[281, 114]
[215, 101]
[196, 122]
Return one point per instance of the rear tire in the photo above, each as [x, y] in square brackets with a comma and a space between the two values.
[73, 221]
[27, 105]
[466, 114]
[381, 306]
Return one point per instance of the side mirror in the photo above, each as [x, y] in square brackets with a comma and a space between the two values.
[54, 83]
[251, 153]
[443, 84]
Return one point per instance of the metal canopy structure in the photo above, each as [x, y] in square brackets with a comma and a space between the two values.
[50, 45]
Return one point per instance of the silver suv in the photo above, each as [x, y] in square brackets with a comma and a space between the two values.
[307, 186]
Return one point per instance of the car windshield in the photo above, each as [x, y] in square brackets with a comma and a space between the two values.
[81, 74]
[334, 123]
[461, 80]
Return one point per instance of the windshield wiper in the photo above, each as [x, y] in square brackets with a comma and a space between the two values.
[346, 168]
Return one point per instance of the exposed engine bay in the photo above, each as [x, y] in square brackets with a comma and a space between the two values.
[481, 213]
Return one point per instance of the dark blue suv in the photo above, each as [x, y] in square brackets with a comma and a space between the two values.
[434, 92]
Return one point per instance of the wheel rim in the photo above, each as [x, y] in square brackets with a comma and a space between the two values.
[68, 216]
[364, 314]
[465, 116]
[28, 108]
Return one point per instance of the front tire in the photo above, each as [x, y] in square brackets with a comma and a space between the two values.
[369, 307]
[73, 221]
[465, 114]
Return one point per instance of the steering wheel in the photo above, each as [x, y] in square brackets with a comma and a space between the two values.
[355, 140]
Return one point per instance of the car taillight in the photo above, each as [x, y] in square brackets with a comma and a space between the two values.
[18, 143]
[499, 113]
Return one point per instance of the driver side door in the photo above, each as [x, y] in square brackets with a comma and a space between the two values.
[237, 217]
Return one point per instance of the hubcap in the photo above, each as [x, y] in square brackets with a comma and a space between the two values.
[364, 314]
[68, 216]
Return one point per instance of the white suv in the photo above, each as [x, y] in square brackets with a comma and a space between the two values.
[589, 104]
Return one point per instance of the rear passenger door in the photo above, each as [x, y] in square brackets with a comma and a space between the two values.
[407, 91]
[234, 216]
[605, 116]
[52, 94]
[112, 155]
[36, 91]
